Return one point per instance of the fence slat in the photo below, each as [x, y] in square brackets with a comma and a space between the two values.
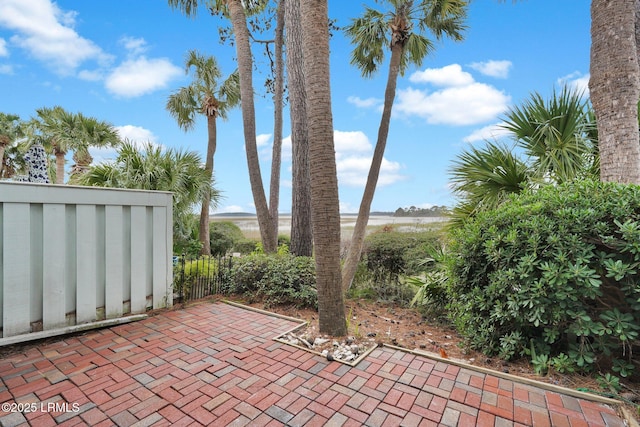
[86, 265]
[114, 268]
[161, 256]
[17, 279]
[138, 259]
[53, 266]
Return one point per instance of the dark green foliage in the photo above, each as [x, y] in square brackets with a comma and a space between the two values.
[390, 253]
[389, 256]
[186, 241]
[223, 237]
[194, 271]
[277, 279]
[553, 273]
[245, 246]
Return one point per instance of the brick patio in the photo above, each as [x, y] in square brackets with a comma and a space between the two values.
[217, 364]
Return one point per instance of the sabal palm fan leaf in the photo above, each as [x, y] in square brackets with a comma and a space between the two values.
[484, 177]
[371, 31]
[443, 17]
[152, 168]
[417, 48]
[554, 134]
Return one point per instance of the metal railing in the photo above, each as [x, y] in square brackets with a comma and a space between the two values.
[199, 277]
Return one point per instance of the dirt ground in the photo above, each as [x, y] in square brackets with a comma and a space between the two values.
[374, 323]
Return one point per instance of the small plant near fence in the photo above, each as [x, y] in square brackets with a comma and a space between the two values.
[198, 277]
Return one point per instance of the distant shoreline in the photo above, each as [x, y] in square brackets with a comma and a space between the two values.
[248, 222]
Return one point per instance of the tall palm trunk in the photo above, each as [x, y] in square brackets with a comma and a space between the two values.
[276, 157]
[301, 235]
[245, 64]
[325, 208]
[357, 240]
[4, 141]
[615, 88]
[60, 161]
[206, 201]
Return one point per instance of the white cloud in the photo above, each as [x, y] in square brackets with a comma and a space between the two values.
[576, 81]
[353, 159]
[355, 141]
[47, 33]
[287, 149]
[354, 152]
[135, 46]
[91, 75]
[457, 106]
[491, 132]
[6, 69]
[450, 75]
[353, 171]
[102, 154]
[459, 101]
[3, 47]
[263, 139]
[136, 134]
[364, 103]
[499, 69]
[140, 76]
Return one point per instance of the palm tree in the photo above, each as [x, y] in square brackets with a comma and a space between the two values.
[152, 168]
[483, 178]
[278, 107]
[558, 138]
[401, 30]
[235, 9]
[59, 128]
[556, 135]
[206, 96]
[301, 233]
[10, 130]
[614, 86]
[63, 131]
[92, 133]
[325, 209]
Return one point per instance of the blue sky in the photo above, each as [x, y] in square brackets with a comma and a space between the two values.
[119, 60]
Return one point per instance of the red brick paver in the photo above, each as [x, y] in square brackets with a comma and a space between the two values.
[216, 364]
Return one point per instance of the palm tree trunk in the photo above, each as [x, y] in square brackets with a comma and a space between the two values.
[203, 234]
[359, 231]
[325, 208]
[245, 64]
[276, 157]
[4, 141]
[60, 167]
[301, 233]
[615, 88]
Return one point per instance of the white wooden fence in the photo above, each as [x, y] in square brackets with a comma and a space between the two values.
[79, 257]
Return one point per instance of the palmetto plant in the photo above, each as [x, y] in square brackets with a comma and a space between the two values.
[484, 177]
[558, 138]
[153, 168]
[556, 135]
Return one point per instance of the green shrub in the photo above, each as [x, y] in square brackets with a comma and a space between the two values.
[276, 279]
[223, 237]
[196, 271]
[553, 273]
[245, 246]
[389, 256]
